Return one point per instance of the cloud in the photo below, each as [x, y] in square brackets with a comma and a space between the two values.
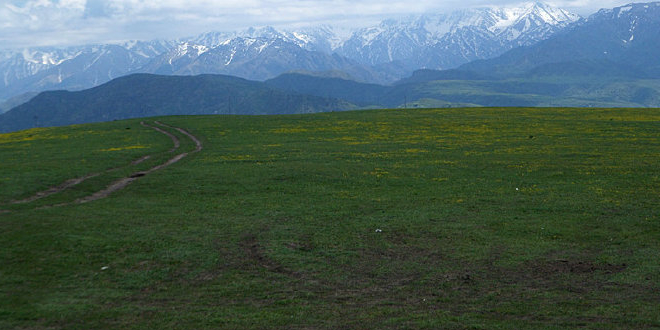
[95, 8]
[25, 23]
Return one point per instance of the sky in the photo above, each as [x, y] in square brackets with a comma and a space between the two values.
[33, 23]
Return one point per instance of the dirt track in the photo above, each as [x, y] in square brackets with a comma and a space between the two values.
[123, 182]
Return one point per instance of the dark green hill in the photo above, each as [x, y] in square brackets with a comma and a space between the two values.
[143, 95]
[426, 75]
[15, 101]
[361, 94]
[546, 86]
[587, 68]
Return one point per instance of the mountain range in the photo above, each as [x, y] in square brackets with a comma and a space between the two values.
[609, 59]
[623, 41]
[382, 54]
[144, 95]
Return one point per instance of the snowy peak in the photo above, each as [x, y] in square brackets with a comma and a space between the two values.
[531, 15]
[463, 35]
[531, 22]
[388, 50]
[630, 12]
[188, 49]
[631, 24]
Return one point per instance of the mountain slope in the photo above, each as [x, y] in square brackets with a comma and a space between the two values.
[142, 95]
[361, 94]
[380, 54]
[452, 88]
[448, 40]
[73, 68]
[257, 58]
[627, 36]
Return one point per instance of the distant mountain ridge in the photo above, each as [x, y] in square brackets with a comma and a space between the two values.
[73, 68]
[145, 95]
[623, 39]
[445, 41]
[607, 60]
[382, 54]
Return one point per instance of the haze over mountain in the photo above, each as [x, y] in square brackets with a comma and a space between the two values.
[382, 53]
[443, 41]
[144, 95]
[606, 60]
[623, 41]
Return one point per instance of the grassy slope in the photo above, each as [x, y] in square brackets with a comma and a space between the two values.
[490, 218]
[539, 92]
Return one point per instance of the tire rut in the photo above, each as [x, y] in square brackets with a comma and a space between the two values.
[123, 182]
[56, 189]
[76, 181]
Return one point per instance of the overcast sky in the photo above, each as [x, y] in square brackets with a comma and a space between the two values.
[30, 23]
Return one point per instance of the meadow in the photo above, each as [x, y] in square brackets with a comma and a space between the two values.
[471, 218]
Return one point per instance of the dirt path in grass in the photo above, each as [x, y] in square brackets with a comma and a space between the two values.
[123, 182]
[76, 181]
[54, 190]
[198, 143]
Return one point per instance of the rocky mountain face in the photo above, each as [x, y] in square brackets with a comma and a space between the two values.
[73, 68]
[607, 60]
[383, 53]
[446, 41]
[255, 58]
[623, 41]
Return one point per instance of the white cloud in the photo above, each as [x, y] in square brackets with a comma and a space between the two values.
[26, 23]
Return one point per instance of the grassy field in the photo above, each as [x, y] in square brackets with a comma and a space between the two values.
[500, 218]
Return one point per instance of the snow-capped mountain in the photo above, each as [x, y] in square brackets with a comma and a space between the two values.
[254, 57]
[424, 41]
[40, 69]
[448, 40]
[623, 39]
[28, 62]
[382, 53]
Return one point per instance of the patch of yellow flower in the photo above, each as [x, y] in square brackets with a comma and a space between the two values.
[378, 172]
[374, 155]
[289, 130]
[236, 157]
[30, 135]
[416, 151]
[124, 148]
[443, 162]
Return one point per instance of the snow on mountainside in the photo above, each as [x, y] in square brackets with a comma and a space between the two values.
[624, 40]
[28, 62]
[256, 58]
[461, 36]
[39, 69]
[424, 41]
[382, 53]
[323, 38]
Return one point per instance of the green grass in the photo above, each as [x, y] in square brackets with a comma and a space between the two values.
[540, 92]
[422, 219]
